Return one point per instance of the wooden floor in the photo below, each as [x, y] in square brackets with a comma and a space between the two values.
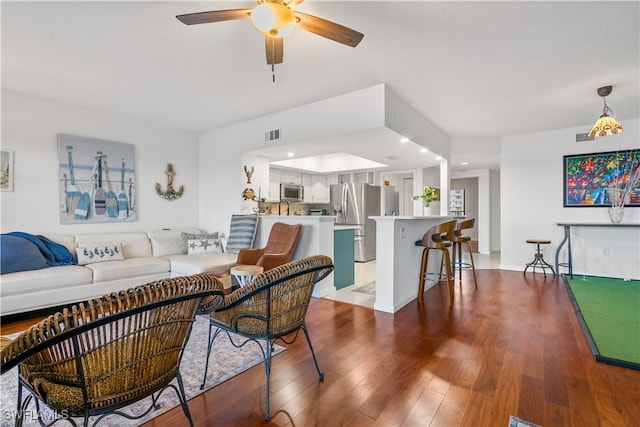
[511, 347]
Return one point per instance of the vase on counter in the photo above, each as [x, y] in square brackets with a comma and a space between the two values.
[616, 213]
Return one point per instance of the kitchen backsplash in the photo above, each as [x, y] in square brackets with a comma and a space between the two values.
[284, 208]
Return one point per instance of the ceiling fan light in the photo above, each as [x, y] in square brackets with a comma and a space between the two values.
[273, 19]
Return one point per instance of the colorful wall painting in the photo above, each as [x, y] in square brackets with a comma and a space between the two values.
[590, 178]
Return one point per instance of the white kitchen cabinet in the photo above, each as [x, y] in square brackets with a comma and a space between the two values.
[274, 185]
[290, 177]
[319, 189]
[307, 183]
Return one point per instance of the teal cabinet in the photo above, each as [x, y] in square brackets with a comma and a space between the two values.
[343, 258]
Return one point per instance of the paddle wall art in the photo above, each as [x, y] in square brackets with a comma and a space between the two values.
[590, 180]
[96, 180]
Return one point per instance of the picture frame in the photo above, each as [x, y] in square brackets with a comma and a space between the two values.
[96, 180]
[589, 178]
[6, 168]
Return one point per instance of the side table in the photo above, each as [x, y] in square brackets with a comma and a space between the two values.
[244, 273]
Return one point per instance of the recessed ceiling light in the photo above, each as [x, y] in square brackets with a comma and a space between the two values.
[290, 154]
[464, 163]
[404, 140]
[423, 150]
[438, 157]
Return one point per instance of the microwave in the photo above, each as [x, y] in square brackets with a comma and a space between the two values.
[291, 192]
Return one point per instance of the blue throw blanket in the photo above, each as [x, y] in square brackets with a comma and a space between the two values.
[54, 253]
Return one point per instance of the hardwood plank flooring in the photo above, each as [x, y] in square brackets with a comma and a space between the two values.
[513, 346]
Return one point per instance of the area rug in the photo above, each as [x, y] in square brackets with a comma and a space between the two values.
[517, 422]
[225, 362]
[609, 313]
[368, 288]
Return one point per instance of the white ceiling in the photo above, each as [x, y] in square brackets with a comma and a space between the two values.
[472, 68]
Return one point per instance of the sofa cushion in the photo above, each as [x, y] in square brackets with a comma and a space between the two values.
[132, 267]
[242, 232]
[166, 245]
[168, 242]
[204, 246]
[66, 240]
[99, 253]
[47, 278]
[186, 265]
[19, 254]
[134, 245]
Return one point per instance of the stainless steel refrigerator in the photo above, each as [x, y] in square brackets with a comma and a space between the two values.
[353, 204]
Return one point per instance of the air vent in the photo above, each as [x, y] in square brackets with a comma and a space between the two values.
[272, 135]
[583, 137]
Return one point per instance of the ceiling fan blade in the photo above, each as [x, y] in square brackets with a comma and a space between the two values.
[213, 16]
[328, 29]
[292, 4]
[275, 50]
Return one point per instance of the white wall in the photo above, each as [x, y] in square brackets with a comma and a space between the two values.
[531, 184]
[221, 150]
[30, 126]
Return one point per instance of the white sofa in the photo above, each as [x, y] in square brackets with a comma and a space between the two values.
[147, 256]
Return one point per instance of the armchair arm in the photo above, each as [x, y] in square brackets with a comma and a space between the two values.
[249, 256]
[269, 261]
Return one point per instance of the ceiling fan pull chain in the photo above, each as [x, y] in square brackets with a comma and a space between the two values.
[273, 71]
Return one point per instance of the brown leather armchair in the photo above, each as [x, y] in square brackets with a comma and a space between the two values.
[283, 240]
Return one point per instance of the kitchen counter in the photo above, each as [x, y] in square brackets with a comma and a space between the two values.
[344, 227]
[316, 239]
[398, 259]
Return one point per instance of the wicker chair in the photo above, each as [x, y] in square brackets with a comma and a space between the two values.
[270, 307]
[97, 357]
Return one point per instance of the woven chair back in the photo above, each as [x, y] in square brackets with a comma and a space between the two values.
[115, 349]
[275, 303]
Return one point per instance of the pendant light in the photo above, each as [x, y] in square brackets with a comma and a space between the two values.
[606, 125]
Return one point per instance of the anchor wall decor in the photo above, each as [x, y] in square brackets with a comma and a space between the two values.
[170, 194]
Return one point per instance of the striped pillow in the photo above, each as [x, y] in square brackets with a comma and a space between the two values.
[242, 232]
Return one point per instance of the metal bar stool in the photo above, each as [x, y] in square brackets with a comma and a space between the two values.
[439, 237]
[539, 261]
[459, 239]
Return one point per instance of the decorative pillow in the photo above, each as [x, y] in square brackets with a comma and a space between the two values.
[242, 232]
[99, 253]
[204, 246]
[18, 254]
[190, 236]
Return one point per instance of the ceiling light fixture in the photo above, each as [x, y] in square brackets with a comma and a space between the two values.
[404, 140]
[423, 150]
[290, 154]
[606, 125]
[273, 19]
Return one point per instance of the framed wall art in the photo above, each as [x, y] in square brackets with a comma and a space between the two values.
[593, 180]
[96, 180]
[6, 168]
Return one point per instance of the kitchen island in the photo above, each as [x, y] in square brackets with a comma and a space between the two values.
[398, 259]
[316, 239]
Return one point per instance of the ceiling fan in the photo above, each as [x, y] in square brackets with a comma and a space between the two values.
[275, 19]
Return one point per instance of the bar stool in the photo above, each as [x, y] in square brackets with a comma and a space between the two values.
[539, 261]
[459, 239]
[440, 238]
